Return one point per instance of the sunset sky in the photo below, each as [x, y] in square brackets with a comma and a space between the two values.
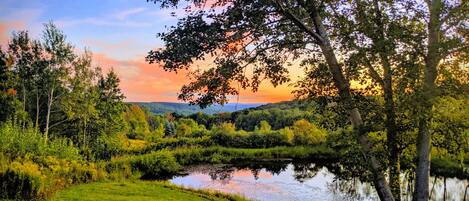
[119, 33]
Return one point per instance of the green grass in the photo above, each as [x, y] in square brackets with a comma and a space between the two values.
[139, 190]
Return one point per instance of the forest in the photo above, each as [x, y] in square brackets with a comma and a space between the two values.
[384, 99]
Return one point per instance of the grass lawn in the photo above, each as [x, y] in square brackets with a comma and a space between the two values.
[138, 190]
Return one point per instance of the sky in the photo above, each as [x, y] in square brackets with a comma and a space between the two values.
[119, 33]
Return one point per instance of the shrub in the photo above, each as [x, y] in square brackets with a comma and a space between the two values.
[259, 138]
[17, 142]
[106, 147]
[154, 165]
[72, 172]
[185, 127]
[306, 133]
[22, 181]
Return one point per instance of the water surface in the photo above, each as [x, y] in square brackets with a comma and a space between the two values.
[293, 182]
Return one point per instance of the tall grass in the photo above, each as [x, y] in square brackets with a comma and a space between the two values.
[194, 155]
[33, 167]
[155, 165]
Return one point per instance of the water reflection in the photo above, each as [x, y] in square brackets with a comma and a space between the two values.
[294, 181]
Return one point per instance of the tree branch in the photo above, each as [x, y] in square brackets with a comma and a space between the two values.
[318, 39]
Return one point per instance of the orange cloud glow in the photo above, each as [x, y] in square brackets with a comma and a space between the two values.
[6, 28]
[141, 81]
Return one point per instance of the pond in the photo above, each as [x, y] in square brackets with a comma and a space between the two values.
[295, 182]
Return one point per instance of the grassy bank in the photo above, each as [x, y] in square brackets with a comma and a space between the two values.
[190, 156]
[139, 190]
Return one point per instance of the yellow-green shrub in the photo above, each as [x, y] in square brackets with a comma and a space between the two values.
[72, 171]
[22, 180]
[156, 164]
[306, 133]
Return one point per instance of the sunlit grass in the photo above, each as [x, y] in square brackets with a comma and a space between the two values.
[139, 190]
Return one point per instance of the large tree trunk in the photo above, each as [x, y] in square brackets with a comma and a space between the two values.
[392, 141]
[381, 185]
[342, 84]
[432, 60]
[389, 105]
[421, 190]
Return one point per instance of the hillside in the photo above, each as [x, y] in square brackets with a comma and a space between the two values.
[186, 109]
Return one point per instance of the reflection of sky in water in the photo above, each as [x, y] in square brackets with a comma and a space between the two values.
[268, 186]
[284, 186]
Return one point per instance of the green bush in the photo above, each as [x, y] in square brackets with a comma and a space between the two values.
[254, 139]
[306, 133]
[17, 142]
[22, 181]
[158, 164]
[105, 147]
[72, 172]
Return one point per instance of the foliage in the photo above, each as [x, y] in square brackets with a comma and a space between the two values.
[186, 127]
[105, 147]
[169, 129]
[137, 122]
[196, 155]
[450, 125]
[45, 84]
[22, 180]
[449, 168]
[278, 118]
[254, 139]
[306, 133]
[17, 142]
[157, 164]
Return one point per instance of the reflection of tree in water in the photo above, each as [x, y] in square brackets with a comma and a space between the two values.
[305, 171]
[352, 189]
[225, 173]
[273, 168]
[222, 174]
[347, 184]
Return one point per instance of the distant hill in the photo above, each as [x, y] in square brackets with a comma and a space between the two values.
[186, 109]
[285, 105]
